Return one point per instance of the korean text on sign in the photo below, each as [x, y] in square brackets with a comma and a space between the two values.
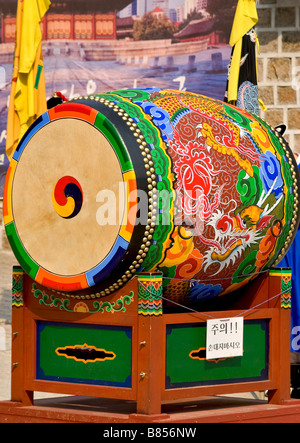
[224, 338]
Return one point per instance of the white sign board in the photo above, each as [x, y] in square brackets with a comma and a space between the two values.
[224, 338]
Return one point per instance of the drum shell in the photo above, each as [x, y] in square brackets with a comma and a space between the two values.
[221, 189]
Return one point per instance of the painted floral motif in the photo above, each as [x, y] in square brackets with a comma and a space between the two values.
[65, 304]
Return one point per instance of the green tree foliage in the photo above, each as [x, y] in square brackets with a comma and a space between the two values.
[151, 28]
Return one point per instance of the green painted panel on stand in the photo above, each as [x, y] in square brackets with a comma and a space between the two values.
[183, 371]
[91, 354]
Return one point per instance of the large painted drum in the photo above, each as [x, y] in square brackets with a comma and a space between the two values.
[103, 187]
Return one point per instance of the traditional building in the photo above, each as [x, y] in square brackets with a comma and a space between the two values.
[162, 5]
[125, 27]
[200, 30]
[69, 19]
[158, 13]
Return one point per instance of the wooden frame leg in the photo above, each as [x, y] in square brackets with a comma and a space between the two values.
[280, 282]
[18, 393]
[150, 345]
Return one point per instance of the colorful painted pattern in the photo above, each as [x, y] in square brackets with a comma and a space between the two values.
[151, 122]
[65, 304]
[67, 197]
[150, 295]
[17, 289]
[234, 180]
[286, 286]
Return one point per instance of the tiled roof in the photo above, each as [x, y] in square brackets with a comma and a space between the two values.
[196, 27]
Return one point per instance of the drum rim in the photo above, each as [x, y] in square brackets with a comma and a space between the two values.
[90, 277]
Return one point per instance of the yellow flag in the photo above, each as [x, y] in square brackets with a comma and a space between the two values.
[245, 19]
[28, 91]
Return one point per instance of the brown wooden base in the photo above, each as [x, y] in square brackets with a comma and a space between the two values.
[97, 410]
[154, 368]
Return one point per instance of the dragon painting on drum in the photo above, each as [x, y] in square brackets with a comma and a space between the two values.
[229, 187]
[222, 189]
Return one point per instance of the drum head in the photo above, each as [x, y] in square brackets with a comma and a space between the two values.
[68, 202]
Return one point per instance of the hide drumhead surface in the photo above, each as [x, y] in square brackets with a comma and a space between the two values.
[58, 241]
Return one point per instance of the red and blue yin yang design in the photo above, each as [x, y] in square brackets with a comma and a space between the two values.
[67, 197]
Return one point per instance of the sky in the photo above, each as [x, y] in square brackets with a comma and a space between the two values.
[175, 3]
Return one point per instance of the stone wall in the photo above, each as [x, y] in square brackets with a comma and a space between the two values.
[279, 65]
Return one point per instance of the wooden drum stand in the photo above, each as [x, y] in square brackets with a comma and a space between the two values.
[127, 346]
